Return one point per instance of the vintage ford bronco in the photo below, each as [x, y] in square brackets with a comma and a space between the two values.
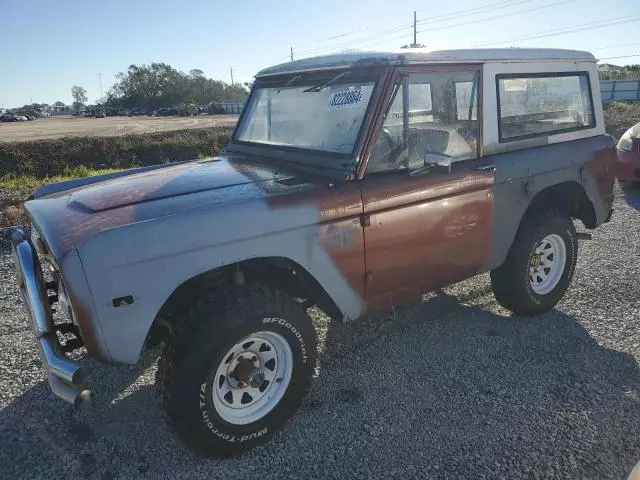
[352, 182]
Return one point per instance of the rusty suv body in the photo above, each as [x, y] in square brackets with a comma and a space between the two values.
[341, 225]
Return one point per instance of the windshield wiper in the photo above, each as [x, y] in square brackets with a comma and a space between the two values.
[290, 82]
[319, 88]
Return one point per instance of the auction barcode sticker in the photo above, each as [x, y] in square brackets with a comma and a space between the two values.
[347, 98]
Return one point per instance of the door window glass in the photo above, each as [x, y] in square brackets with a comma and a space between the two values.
[432, 117]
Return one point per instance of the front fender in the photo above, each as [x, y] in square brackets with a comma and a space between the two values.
[149, 260]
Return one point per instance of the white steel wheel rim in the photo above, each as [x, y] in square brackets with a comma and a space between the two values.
[239, 396]
[547, 263]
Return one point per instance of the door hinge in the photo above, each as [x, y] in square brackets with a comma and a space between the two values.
[365, 220]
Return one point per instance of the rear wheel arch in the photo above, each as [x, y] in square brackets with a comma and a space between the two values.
[568, 198]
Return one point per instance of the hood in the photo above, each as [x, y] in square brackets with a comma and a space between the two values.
[72, 212]
[171, 181]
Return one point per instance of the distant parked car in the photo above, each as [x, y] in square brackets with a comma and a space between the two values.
[188, 110]
[215, 108]
[137, 112]
[166, 112]
[9, 117]
[628, 167]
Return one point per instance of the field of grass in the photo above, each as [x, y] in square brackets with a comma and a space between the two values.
[24, 166]
[619, 116]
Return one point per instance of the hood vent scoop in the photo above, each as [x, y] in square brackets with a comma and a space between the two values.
[291, 181]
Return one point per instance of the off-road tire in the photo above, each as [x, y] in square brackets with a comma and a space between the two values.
[195, 349]
[510, 282]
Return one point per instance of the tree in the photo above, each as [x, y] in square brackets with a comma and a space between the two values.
[160, 85]
[621, 73]
[58, 103]
[79, 95]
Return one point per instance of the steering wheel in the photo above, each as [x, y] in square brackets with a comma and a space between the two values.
[384, 152]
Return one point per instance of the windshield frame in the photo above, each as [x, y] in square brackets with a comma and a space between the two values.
[310, 157]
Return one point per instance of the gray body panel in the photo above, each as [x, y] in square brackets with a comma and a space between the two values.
[153, 258]
[522, 174]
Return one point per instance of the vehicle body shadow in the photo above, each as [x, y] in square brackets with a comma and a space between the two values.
[445, 387]
[632, 195]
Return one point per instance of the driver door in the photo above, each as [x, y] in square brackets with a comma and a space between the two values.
[426, 193]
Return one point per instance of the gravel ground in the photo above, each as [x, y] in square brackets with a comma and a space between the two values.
[56, 127]
[451, 387]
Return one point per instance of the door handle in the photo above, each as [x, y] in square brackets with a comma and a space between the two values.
[486, 168]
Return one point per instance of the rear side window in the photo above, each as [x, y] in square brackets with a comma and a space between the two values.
[543, 104]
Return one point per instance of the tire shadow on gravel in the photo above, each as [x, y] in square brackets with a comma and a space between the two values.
[443, 388]
[632, 195]
[507, 395]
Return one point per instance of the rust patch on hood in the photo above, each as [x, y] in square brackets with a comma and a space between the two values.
[173, 181]
[65, 220]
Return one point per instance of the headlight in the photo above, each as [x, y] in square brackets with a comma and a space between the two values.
[626, 142]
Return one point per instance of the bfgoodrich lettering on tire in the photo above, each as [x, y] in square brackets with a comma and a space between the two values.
[235, 369]
[539, 266]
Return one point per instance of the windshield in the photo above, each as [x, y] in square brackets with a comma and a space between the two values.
[323, 115]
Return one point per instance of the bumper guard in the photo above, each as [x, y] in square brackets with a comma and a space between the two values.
[66, 377]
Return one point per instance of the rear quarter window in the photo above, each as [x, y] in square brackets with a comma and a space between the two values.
[532, 105]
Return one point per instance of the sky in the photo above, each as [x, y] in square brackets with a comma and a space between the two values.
[49, 46]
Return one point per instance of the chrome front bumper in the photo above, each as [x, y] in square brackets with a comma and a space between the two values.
[66, 377]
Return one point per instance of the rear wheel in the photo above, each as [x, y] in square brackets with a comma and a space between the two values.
[236, 369]
[539, 266]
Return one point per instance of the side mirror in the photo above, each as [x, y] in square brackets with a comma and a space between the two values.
[437, 161]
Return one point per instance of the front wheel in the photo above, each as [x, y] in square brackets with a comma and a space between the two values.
[236, 369]
[539, 266]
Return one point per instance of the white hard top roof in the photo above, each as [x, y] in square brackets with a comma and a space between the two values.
[420, 55]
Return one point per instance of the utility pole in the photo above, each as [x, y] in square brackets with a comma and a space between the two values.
[415, 41]
[231, 70]
[100, 83]
[292, 54]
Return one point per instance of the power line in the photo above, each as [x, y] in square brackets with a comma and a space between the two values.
[501, 16]
[491, 18]
[495, 17]
[473, 11]
[439, 18]
[563, 31]
[620, 56]
[616, 46]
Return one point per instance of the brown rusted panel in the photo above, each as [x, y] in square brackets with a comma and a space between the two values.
[603, 169]
[88, 330]
[339, 232]
[426, 232]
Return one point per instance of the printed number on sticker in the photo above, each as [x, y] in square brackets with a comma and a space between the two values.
[348, 98]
